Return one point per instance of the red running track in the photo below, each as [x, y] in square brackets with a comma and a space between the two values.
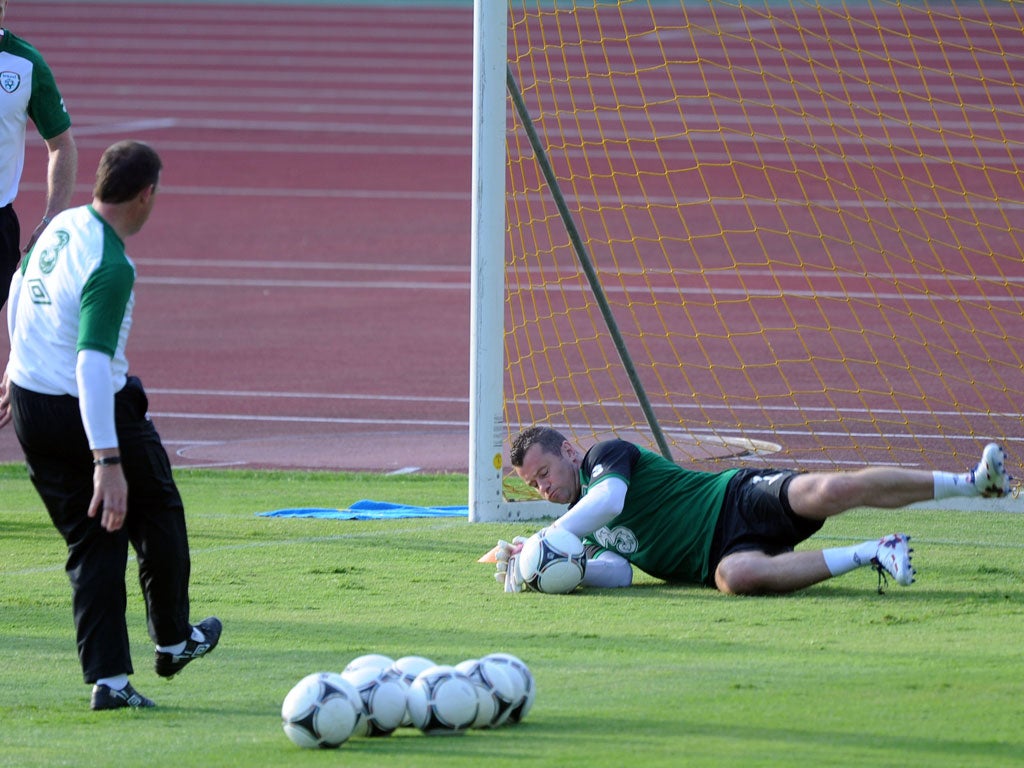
[303, 291]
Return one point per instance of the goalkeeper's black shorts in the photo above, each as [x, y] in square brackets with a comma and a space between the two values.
[756, 516]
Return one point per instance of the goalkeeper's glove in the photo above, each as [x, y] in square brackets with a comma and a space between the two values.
[507, 564]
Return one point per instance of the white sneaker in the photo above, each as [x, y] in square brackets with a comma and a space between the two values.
[893, 558]
[990, 477]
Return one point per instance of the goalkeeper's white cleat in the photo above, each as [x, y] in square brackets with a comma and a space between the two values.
[893, 558]
[990, 476]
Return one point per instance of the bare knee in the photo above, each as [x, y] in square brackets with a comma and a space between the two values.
[740, 574]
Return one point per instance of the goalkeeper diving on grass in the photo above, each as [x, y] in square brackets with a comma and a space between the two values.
[735, 530]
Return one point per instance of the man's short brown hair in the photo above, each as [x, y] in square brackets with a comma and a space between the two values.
[125, 169]
[549, 438]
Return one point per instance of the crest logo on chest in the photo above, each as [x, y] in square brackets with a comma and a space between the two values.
[10, 81]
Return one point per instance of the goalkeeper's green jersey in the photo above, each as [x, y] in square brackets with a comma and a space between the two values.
[669, 516]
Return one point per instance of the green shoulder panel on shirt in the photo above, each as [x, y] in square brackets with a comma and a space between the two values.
[46, 106]
[669, 518]
[105, 296]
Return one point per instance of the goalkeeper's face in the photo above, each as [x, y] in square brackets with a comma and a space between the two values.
[555, 475]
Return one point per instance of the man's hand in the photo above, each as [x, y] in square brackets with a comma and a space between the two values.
[109, 495]
[5, 402]
[506, 564]
[34, 236]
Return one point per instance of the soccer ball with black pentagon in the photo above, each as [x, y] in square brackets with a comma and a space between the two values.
[407, 668]
[322, 710]
[522, 678]
[443, 700]
[552, 561]
[497, 692]
[383, 694]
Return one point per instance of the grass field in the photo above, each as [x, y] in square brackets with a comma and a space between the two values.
[838, 675]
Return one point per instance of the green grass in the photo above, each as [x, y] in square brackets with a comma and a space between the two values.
[650, 676]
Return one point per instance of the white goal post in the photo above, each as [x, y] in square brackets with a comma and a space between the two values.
[487, 283]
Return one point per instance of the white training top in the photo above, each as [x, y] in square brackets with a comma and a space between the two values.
[74, 292]
[27, 91]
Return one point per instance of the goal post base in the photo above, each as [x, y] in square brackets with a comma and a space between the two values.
[511, 511]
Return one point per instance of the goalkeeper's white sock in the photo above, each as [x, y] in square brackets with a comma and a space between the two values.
[950, 484]
[840, 560]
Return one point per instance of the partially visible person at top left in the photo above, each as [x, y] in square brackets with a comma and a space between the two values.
[28, 90]
[93, 455]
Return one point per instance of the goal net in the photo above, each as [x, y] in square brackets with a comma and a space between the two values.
[804, 219]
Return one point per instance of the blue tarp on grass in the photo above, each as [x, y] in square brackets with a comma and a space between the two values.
[367, 509]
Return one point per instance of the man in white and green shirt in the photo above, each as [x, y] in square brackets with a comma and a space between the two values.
[28, 91]
[92, 453]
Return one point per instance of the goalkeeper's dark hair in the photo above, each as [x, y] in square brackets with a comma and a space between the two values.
[126, 168]
[548, 438]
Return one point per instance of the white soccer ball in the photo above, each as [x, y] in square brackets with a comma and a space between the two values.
[443, 700]
[374, 660]
[321, 710]
[552, 561]
[407, 668]
[497, 692]
[522, 679]
[383, 696]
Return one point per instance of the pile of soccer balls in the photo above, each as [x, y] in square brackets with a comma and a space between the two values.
[375, 695]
